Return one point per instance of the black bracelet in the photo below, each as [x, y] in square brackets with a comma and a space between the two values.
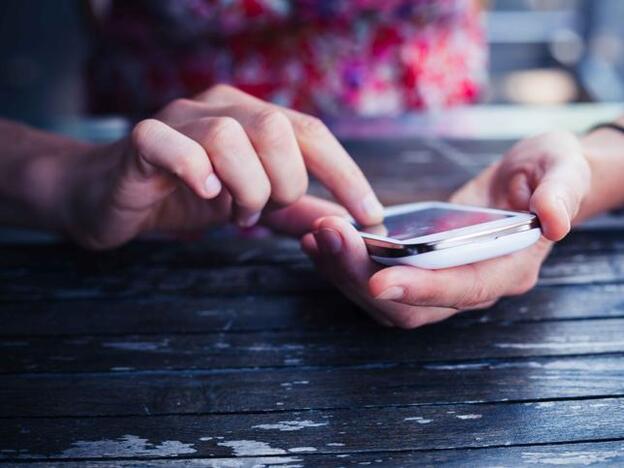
[609, 125]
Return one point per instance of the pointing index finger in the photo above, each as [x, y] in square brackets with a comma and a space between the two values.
[331, 164]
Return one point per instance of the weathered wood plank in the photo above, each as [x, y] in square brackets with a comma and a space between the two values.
[225, 314]
[286, 312]
[578, 454]
[139, 282]
[213, 251]
[204, 392]
[208, 251]
[345, 431]
[447, 341]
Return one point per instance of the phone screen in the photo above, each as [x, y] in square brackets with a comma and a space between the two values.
[429, 221]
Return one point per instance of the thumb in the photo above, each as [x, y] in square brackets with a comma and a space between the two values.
[557, 198]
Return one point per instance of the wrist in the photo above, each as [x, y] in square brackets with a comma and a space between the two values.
[35, 176]
[604, 150]
[88, 183]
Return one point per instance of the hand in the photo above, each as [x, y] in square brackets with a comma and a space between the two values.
[221, 156]
[547, 175]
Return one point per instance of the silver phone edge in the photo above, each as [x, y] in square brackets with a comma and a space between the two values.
[381, 248]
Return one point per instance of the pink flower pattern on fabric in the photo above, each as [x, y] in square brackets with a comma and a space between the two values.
[327, 57]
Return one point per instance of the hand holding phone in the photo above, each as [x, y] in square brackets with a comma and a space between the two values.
[547, 175]
[436, 235]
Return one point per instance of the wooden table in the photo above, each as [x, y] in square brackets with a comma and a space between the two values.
[235, 353]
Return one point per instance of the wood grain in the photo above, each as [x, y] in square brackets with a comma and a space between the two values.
[247, 313]
[358, 430]
[448, 341]
[127, 393]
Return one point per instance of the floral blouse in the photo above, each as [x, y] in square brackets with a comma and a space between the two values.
[328, 57]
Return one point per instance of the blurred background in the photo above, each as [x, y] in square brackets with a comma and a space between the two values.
[544, 52]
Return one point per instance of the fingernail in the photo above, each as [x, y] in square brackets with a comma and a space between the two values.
[249, 220]
[372, 207]
[328, 240]
[393, 293]
[212, 185]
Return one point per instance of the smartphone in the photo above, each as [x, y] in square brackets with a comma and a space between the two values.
[436, 235]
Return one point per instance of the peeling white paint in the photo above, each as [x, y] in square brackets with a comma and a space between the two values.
[577, 364]
[251, 448]
[290, 425]
[542, 404]
[579, 345]
[335, 444]
[255, 462]
[126, 446]
[455, 366]
[569, 458]
[469, 416]
[302, 449]
[486, 365]
[418, 419]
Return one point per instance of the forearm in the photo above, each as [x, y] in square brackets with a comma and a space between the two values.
[35, 168]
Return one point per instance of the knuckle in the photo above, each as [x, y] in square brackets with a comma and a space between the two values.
[223, 130]
[312, 127]
[221, 88]
[290, 193]
[176, 109]
[477, 293]
[272, 126]
[254, 200]
[180, 104]
[271, 120]
[144, 132]
[215, 91]
[427, 294]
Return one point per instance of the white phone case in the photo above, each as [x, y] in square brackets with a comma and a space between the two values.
[474, 243]
[467, 253]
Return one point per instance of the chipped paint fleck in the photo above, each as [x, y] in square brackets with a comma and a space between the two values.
[418, 419]
[127, 446]
[290, 425]
[469, 416]
[563, 346]
[569, 458]
[251, 448]
[542, 404]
